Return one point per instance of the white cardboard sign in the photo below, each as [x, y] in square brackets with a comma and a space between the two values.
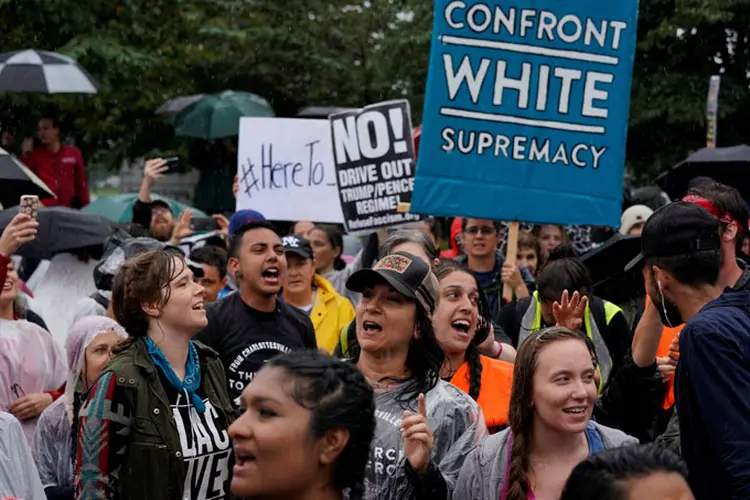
[286, 170]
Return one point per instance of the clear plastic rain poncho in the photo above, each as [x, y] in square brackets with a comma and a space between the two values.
[457, 424]
[18, 475]
[30, 362]
[52, 443]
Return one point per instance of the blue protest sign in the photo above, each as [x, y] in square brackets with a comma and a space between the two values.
[526, 110]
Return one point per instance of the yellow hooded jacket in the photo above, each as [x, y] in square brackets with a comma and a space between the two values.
[330, 314]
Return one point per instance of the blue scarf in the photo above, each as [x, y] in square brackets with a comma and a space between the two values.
[192, 373]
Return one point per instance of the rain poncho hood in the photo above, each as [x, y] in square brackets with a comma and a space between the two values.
[18, 475]
[30, 359]
[51, 445]
[457, 424]
[84, 331]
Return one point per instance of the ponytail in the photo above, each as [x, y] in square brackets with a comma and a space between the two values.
[518, 482]
[475, 370]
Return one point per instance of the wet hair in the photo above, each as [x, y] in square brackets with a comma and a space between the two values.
[563, 271]
[521, 410]
[529, 240]
[442, 270]
[424, 359]
[693, 269]
[339, 397]
[725, 199]
[211, 256]
[144, 279]
[401, 236]
[604, 476]
[336, 239]
[236, 242]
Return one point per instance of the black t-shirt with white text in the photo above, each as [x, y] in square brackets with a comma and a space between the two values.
[247, 338]
[205, 443]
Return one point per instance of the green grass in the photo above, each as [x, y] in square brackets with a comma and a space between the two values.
[100, 193]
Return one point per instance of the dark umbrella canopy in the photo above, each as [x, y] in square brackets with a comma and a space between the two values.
[41, 71]
[606, 264]
[216, 116]
[61, 229]
[17, 180]
[730, 166]
[174, 106]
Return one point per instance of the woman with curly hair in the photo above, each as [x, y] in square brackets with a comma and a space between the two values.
[461, 327]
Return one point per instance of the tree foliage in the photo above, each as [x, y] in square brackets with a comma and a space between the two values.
[349, 53]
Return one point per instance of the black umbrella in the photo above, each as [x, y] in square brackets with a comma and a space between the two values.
[61, 229]
[41, 71]
[730, 166]
[606, 264]
[17, 180]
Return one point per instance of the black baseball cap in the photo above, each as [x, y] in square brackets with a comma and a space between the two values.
[161, 203]
[297, 245]
[677, 229]
[408, 274]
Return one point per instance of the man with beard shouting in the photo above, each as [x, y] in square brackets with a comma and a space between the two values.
[681, 260]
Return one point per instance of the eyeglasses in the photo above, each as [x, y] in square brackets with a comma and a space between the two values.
[485, 230]
[17, 391]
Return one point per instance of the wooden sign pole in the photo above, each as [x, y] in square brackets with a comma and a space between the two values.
[510, 256]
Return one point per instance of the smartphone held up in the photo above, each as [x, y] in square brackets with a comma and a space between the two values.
[29, 205]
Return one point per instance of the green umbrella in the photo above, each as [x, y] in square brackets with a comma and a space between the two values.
[119, 208]
[218, 115]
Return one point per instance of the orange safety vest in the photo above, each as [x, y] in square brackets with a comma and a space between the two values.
[668, 334]
[494, 391]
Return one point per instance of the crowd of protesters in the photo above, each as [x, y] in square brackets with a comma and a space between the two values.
[262, 364]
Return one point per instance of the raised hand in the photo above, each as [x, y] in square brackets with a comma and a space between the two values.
[569, 311]
[223, 223]
[418, 437]
[154, 170]
[20, 230]
[182, 227]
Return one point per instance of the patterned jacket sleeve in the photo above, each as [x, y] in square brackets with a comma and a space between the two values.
[102, 440]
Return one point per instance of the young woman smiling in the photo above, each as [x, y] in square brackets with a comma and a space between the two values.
[425, 426]
[553, 397]
[457, 326]
[155, 423]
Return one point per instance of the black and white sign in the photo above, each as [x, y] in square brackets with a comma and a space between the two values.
[373, 151]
